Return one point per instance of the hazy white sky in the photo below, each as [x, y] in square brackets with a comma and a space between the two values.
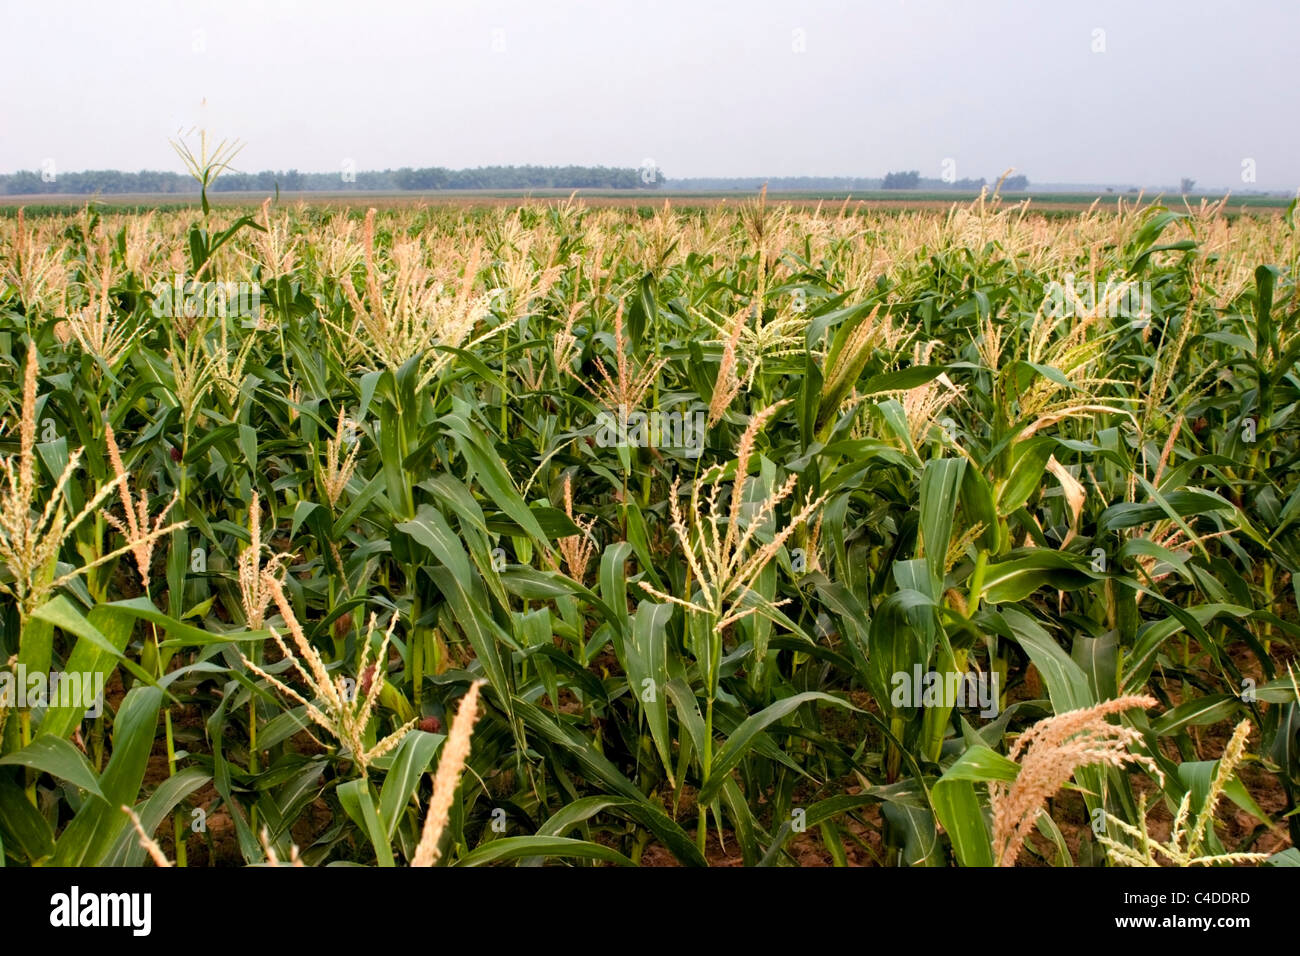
[704, 88]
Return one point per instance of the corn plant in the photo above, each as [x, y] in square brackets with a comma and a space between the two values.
[567, 535]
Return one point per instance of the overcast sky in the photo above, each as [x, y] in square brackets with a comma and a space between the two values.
[1141, 91]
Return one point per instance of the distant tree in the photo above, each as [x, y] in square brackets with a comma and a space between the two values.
[1187, 185]
[1015, 184]
[907, 180]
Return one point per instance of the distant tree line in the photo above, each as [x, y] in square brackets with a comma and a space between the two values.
[97, 180]
[434, 178]
[389, 180]
[912, 179]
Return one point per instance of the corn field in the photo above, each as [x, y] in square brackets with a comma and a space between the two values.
[747, 534]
